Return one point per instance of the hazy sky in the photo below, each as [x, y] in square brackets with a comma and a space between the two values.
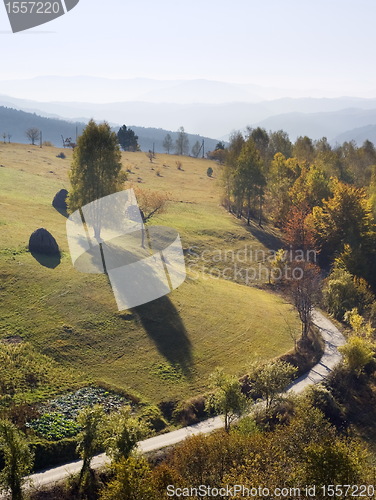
[303, 44]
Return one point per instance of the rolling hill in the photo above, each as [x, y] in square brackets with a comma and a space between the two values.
[162, 350]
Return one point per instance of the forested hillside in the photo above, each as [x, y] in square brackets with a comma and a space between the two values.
[14, 124]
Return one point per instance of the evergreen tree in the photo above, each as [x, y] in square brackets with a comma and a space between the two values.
[127, 139]
[249, 179]
[303, 149]
[228, 171]
[96, 167]
[261, 139]
[220, 145]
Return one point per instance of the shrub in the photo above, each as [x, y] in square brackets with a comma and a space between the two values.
[61, 155]
[357, 353]
[372, 314]
[322, 398]
[48, 144]
[132, 480]
[270, 379]
[167, 408]
[20, 413]
[281, 413]
[50, 453]
[191, 411]
[358, 323]
[209, 172]
[153, 417]
[343, 292]
[246, 426]
[307, 352]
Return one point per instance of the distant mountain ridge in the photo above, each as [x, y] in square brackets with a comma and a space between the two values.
[331, 124]
[359, 135]
[180, 91]
[16, 122]
[329, 117]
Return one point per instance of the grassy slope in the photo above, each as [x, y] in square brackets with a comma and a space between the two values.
[163, 349]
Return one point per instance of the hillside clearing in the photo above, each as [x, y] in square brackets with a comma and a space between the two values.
[162, 350]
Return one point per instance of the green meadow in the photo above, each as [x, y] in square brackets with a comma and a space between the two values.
[164, 349]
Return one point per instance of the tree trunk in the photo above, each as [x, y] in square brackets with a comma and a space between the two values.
[260, 212]
[227, 423]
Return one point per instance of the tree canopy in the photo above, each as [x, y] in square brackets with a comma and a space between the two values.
[18, 459]
[182, 142]
[127, 139]
[96, 167]
[227, 397]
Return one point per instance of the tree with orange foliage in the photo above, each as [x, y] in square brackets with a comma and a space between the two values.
[297, 232]
[150, 203]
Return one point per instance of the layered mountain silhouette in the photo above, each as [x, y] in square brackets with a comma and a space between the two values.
[205, 108]
[15, 123]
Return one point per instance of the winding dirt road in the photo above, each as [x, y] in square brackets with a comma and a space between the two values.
[333, 338]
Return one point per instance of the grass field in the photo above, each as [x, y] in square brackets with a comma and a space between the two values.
[164, 349]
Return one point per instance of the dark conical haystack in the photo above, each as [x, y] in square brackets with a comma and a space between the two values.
[60, 200]
[41, 241]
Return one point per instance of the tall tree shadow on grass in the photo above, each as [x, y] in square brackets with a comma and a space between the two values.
[265, 236]
[165, 327]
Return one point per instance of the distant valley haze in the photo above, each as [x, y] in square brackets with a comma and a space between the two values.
[205, 107]
[181, 91]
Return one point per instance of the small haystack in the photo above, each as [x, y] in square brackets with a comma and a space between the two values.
[41, 241]
[60, 200]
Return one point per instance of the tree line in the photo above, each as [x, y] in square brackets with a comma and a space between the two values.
[128, 141]
[321, 197]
